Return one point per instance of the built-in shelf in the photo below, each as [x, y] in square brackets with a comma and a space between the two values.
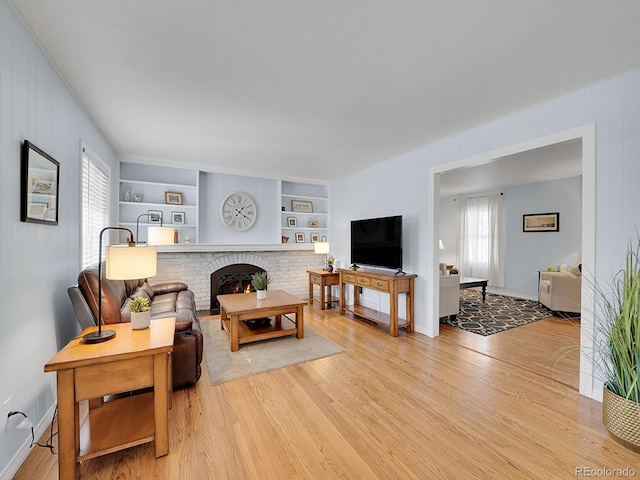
[150, 183]
[317, 197]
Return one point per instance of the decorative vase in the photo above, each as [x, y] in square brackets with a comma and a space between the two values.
[621, 417]
[329, 268]
[140, 320]
[262, 294]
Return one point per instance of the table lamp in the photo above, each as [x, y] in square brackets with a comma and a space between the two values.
[323, 248]
[155, 235]
[123, 262]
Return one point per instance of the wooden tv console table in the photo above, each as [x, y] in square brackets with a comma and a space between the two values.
[391, 284]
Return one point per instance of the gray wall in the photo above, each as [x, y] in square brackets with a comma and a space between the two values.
[401, 185]
[526, 253]
[37, 262]
[214, 187]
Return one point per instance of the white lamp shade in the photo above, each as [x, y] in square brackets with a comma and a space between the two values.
[321, 247]
[129, 263]
[160, 236]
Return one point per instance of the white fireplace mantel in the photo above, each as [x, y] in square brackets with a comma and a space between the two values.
[236, 247]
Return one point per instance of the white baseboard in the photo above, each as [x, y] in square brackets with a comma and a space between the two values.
[23, 452]
[512, 294]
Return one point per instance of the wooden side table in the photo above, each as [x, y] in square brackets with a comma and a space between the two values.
[324, 280]
[133, 360]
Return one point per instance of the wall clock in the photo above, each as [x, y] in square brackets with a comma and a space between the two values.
[238, 211]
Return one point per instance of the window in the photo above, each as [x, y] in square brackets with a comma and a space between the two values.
[480, 233]
[95, 204]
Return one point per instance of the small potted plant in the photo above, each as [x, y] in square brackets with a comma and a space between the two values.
[330, 261]
[140, 313]
[259, 281]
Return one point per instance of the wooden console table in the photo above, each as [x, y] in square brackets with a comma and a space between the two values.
[133, 360]
[391, 284]
[324, 280]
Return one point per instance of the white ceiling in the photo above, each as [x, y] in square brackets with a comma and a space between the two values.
[318, 89]
[562, 160]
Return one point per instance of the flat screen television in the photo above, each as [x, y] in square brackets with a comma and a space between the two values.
[377, 242]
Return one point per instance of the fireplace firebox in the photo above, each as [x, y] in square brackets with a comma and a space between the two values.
[234, 278]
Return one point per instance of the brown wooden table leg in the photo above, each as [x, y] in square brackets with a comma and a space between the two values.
[68, 428]
[161, 403]
[234, 325]
[310, 291]
[299, 322]
[323, 304]
[223, 317]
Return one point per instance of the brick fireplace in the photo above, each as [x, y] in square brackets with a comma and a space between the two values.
[287, 269]
[235, 278]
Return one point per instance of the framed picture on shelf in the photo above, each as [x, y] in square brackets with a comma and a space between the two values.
[40, 177]
[302, 206]
[155, 216]
[315, 237]
[313, 223]
[177, 218]
[173, 198]
[541, 222]
[299, 237]
[292, 222]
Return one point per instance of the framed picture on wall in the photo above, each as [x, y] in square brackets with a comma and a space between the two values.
[315, 237]
[541, 222]
[292, 222]
[299, 237]
[40, 178]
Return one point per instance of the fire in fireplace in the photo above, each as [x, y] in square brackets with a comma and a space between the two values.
[234, 278]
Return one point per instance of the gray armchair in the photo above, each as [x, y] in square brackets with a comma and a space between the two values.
[449, 295]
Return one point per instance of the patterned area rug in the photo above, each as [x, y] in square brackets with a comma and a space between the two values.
[497, 314]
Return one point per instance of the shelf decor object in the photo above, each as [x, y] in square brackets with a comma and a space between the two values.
[124, 262]
[40, 178]
[173, 198]
[177, 218]
[302, 206]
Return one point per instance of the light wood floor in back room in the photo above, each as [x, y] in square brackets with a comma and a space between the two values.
[459, 406]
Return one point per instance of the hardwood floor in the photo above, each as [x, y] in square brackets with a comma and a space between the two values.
[411, 407]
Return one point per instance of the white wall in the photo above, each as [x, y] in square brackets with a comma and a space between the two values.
[37, 262]
[526, 253]
[214, 187]
[401, 185]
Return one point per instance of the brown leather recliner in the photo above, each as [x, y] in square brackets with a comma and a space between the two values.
[172, 299]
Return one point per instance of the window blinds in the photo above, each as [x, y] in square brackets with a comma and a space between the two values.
[95, 205]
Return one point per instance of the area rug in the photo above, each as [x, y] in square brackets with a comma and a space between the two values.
[497, 314]
[253, 358]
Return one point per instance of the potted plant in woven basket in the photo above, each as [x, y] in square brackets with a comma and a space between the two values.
[620, 325]
[140, 313]
[259, 281]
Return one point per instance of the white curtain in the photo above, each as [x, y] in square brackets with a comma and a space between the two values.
[481, 238]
